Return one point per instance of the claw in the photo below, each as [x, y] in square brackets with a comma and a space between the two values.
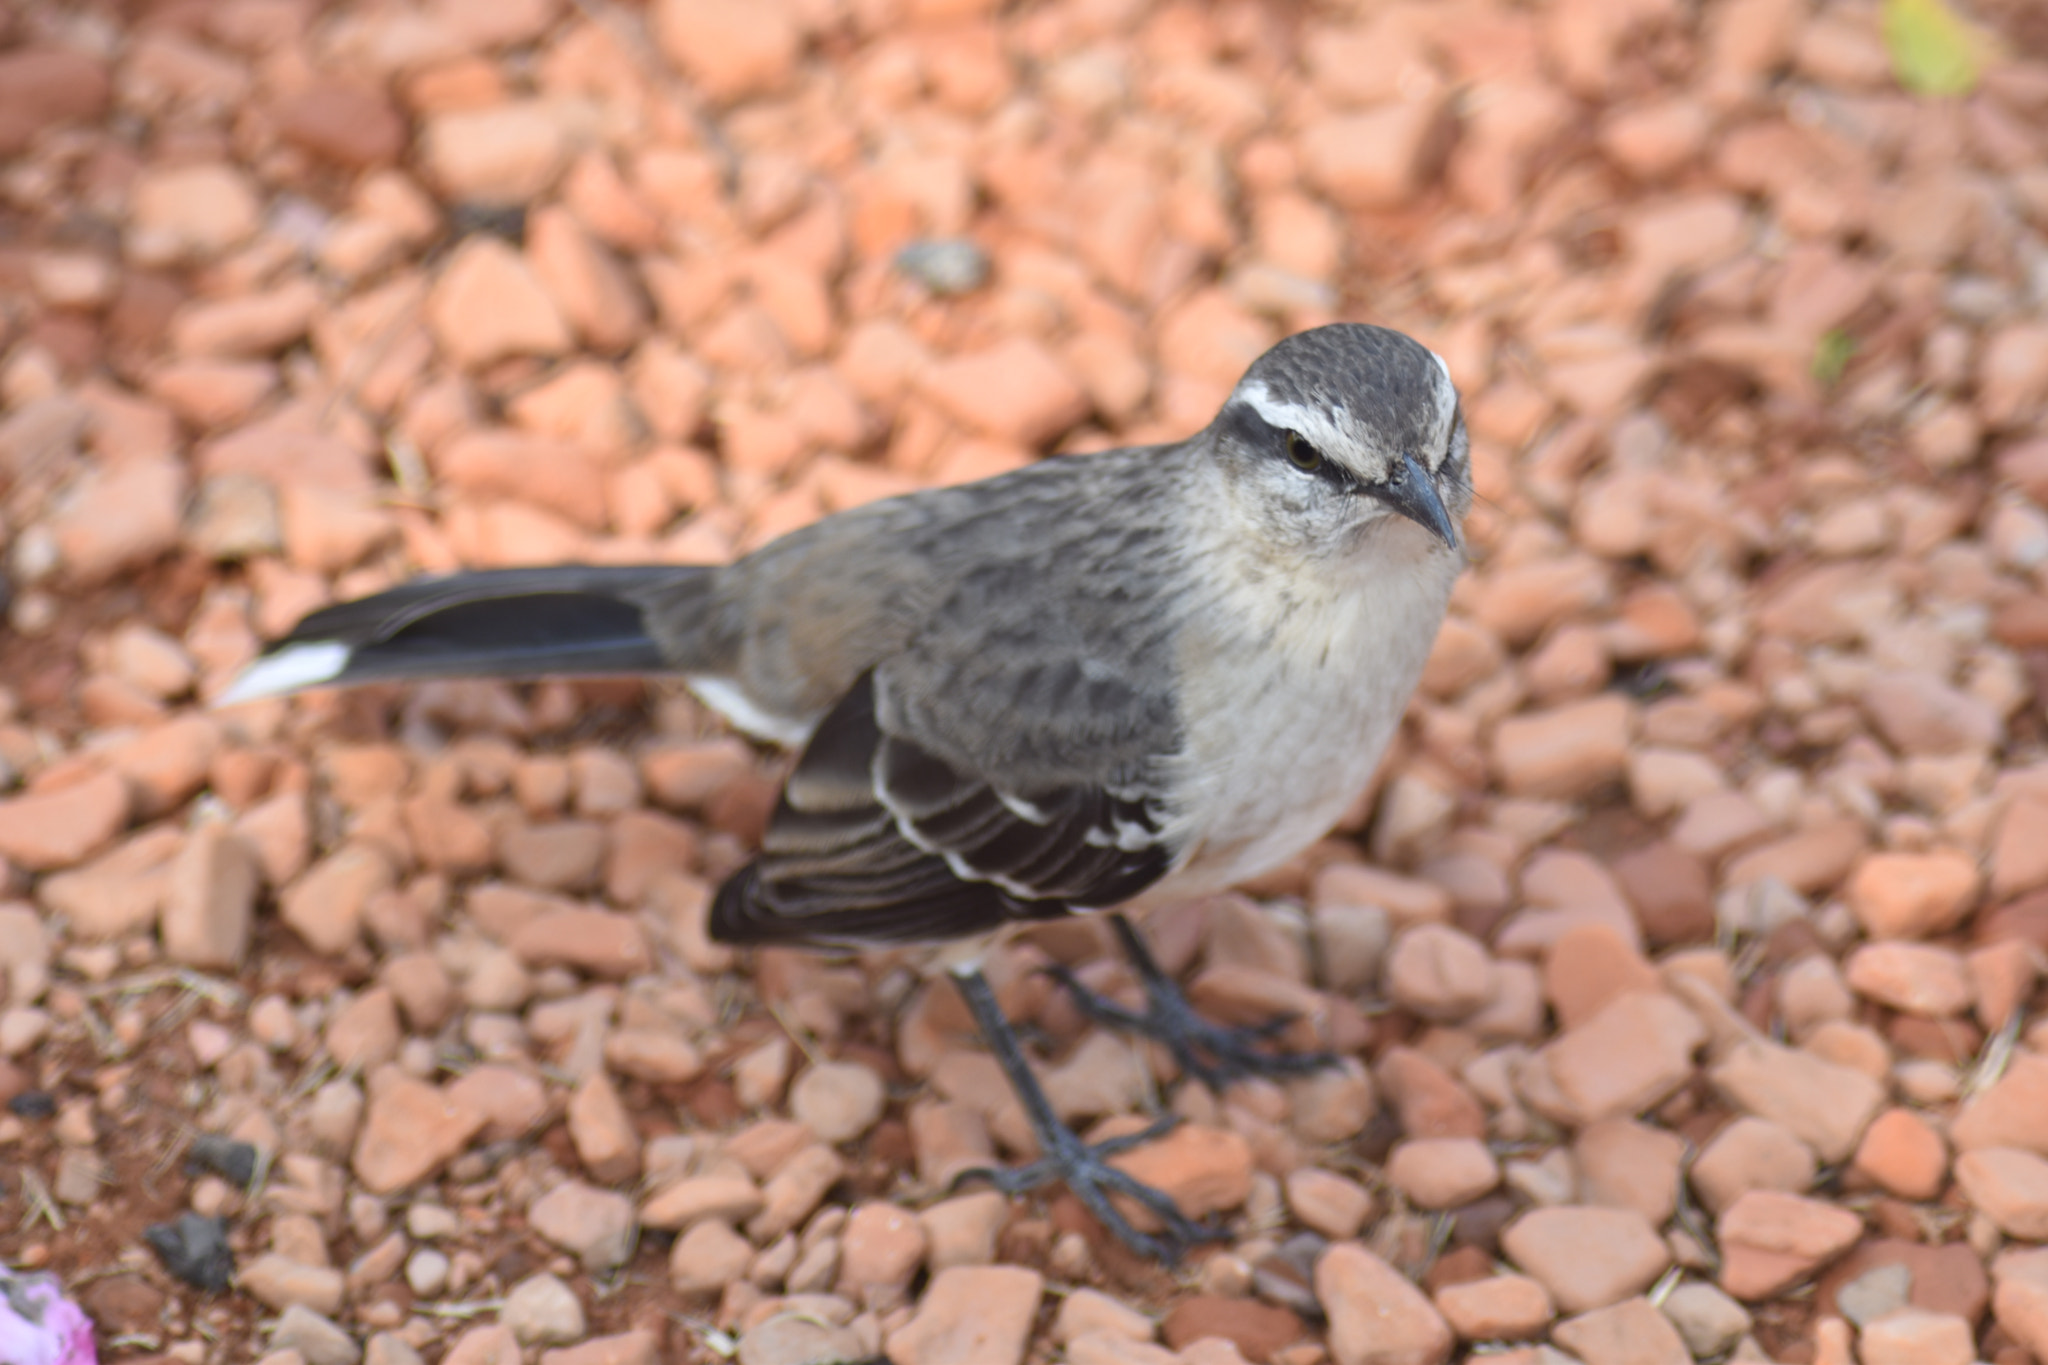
[1212, 1053]
[1082, 1167]
[1272, 1028]
[1152, 1132]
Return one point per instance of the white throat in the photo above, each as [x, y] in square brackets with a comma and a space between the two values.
[1292, 683]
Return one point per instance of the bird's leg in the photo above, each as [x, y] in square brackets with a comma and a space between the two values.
[1083, 1167]
[1216, 1054]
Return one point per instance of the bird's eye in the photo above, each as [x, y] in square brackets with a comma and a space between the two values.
[1302, 455]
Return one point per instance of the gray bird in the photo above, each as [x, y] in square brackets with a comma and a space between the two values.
[1107, 680]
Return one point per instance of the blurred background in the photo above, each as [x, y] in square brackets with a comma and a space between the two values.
[1745, 299]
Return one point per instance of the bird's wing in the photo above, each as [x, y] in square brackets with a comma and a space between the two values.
[1002, 755]
[877, 839]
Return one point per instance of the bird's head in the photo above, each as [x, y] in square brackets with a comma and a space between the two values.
[1345, 436]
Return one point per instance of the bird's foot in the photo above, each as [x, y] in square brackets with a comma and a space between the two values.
[1216, 1054]
[1084, 1168]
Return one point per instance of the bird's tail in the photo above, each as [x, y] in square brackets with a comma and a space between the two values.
[498, 623]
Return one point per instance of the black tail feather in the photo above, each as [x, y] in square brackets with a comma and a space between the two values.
[503, 623]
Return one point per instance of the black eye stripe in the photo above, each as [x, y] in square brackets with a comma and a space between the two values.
[1256, 433]
[1244, 422]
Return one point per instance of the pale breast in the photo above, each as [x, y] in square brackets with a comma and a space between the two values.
[1291, 694]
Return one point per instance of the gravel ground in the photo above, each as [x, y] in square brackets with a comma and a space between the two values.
[1684, 963]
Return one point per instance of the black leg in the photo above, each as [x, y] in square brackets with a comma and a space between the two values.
[1084, 1168]
[1211, 1052]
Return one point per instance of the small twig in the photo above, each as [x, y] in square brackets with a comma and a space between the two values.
[1996, 1056]
[194, 989]
[1441, 1229]
[182, 1007]
[1690, 1218]
[719, 1343]
[110, 1047]
[797, 1033]
[617, 1281]
[463, 1311]
[408, 469]
[259, 1179]
[36, 1195]
[555, 1074]
[312, 1078]
[1748, 960]
[82, 1278]
[455, 1061]
[223, 993]
[172, 1150]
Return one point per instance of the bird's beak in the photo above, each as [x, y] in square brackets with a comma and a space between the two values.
[1415, 497]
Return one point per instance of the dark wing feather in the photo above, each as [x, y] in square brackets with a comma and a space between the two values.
[996, 754]
[876, 840]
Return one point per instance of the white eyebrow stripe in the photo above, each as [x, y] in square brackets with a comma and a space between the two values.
[1323, 428]
[1446, 404]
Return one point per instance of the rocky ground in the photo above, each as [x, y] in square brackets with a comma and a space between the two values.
[1684, 965]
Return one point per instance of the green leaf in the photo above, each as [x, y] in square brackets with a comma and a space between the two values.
[1934, 50]
[1831, 357]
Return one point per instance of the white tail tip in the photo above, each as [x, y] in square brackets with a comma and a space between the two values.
[288, 670]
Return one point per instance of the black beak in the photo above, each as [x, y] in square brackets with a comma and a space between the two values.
[1412, 493]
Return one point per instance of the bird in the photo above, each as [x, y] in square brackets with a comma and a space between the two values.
[1101, 682]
